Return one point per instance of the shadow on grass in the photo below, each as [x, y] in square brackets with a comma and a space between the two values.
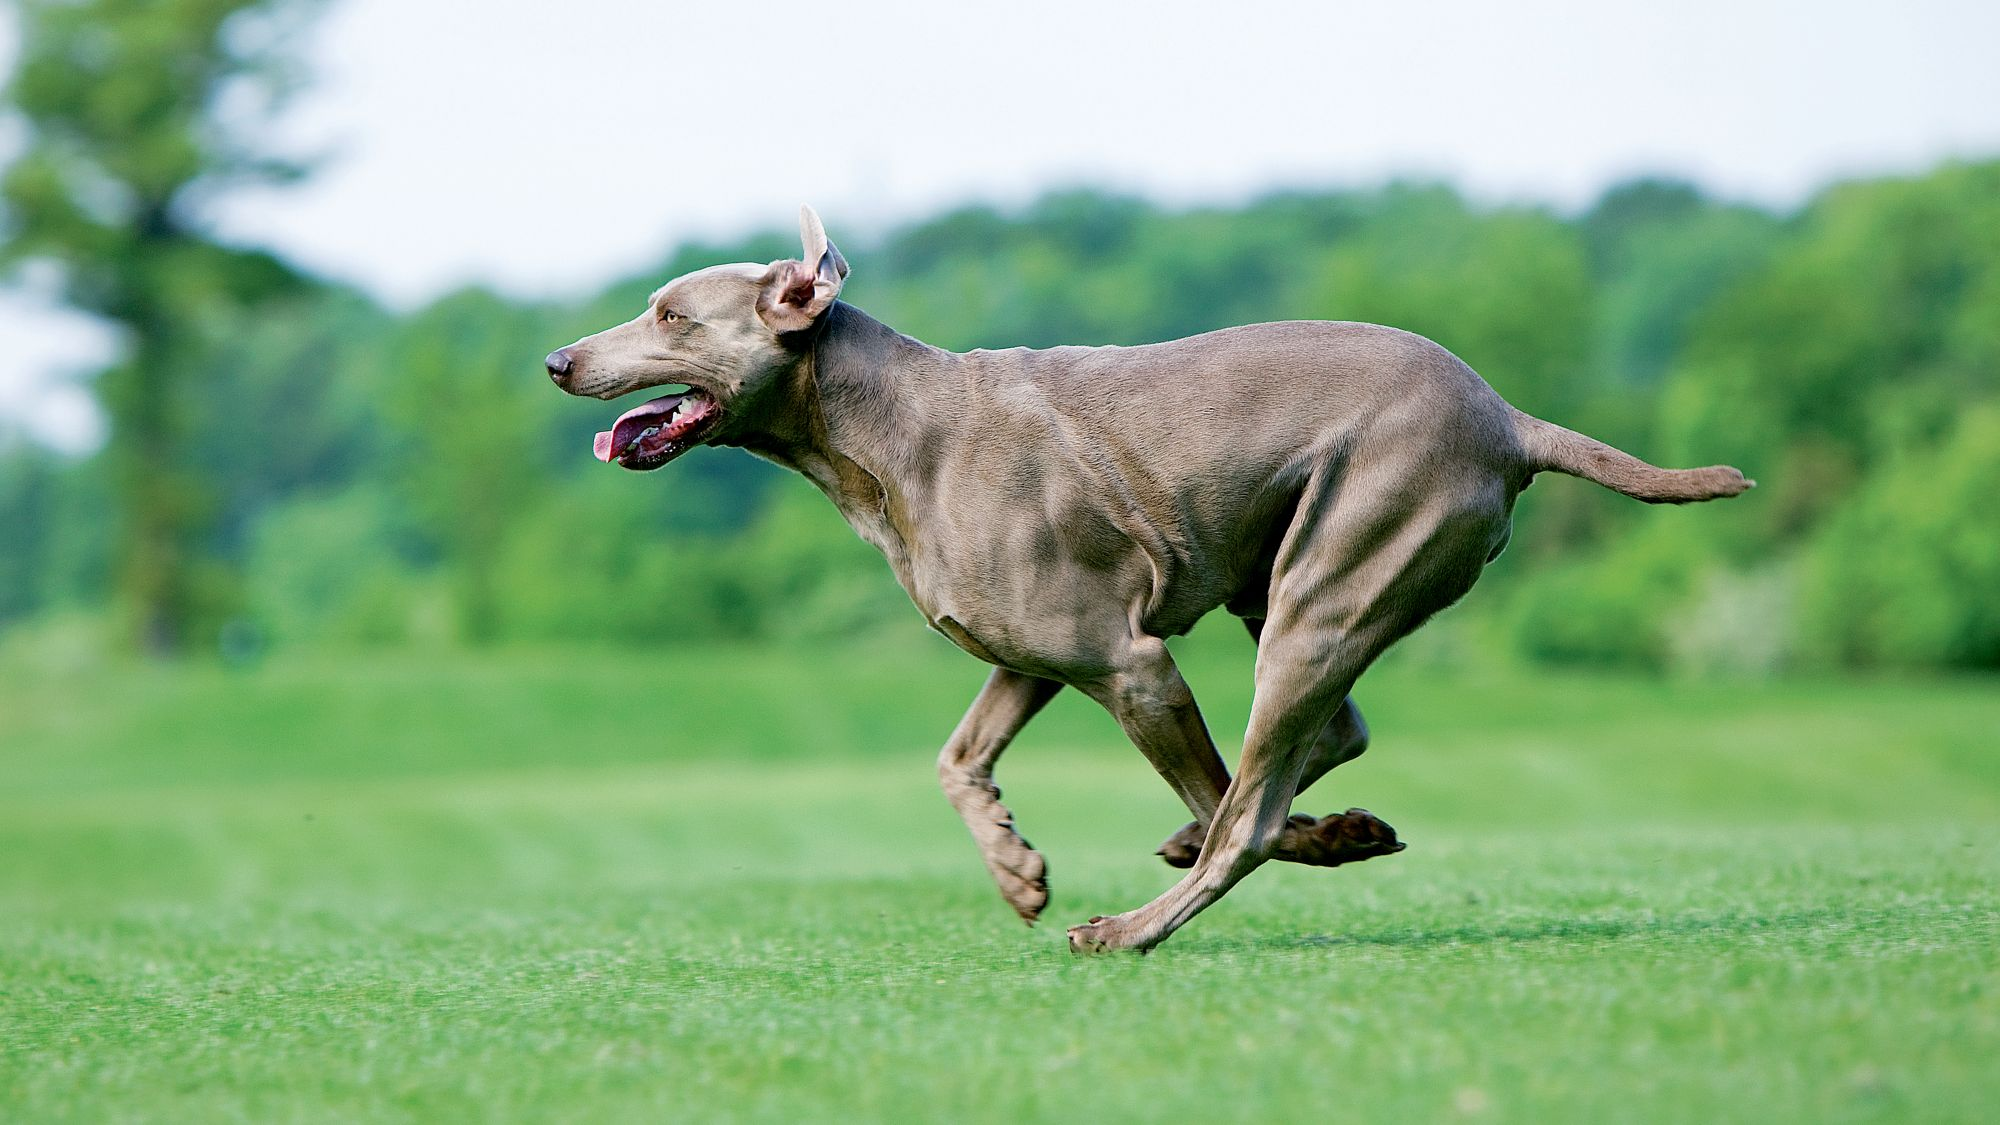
[1696, 926]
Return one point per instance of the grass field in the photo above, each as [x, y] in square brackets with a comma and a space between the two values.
[721, 886]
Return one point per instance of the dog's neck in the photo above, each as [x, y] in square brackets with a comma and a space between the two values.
[864, 410]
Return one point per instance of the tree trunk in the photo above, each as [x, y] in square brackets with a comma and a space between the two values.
[160, 502]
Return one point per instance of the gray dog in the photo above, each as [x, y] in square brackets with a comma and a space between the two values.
[1058, 513]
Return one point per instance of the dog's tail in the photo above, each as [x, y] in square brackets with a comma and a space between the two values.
[1550, 447]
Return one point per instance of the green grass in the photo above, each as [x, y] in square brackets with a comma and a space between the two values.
[722, 886]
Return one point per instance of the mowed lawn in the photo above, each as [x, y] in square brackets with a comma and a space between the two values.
[721, 885]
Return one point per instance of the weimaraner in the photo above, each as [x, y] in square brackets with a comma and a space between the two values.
[1059, 513]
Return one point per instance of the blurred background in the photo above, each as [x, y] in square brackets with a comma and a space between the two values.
[279, 276]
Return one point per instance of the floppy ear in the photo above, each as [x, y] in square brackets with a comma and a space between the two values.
[795, 294]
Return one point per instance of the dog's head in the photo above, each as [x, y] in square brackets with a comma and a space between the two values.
[730, 334]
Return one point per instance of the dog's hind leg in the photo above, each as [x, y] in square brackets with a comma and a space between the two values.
[1343, 738]
[1352, 577]
[965, 769]
[1327, 841]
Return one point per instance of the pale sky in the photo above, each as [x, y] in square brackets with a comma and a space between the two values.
[545, 148]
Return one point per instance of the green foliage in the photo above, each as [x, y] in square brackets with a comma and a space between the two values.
[28, 482]
[1661, 252]
[1509, 289]
[1907, 571]
[471, 460]
[56, 547]
[1852, 375]
[809, 576]
[341, 569]
[591, 568]
[1612, 610]
[1867, 333]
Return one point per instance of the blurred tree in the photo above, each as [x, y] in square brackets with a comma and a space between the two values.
[470, 463]
[1905, 573]
[1507, 290]
[1853, 371]
[138, 113]
[1662, 252]
[1866, 335]
[28, 482]
[291, 402]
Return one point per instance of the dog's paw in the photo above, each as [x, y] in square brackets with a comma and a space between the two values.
[1026, 887]
[1020, 872]
[1184, 847]
[1103, 935]
[1330, 841]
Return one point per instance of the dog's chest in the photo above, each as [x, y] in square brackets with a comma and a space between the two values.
[1019, 564]
[944, 593]
[1046, 596]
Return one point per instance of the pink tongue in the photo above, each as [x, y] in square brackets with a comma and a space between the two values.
[632, 423]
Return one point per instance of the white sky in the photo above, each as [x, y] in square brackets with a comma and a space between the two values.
[544, 148]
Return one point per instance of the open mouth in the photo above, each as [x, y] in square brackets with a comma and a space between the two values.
[653, 433]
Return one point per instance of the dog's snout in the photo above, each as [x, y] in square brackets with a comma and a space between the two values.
[559, 365]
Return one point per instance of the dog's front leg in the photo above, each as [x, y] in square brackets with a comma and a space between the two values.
[1148, 697]
[965, 769]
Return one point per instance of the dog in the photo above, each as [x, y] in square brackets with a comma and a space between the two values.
[1059, 513]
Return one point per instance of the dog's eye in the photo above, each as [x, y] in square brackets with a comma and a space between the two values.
[671, 317]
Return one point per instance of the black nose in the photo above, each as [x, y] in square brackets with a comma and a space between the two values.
[558, 362]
